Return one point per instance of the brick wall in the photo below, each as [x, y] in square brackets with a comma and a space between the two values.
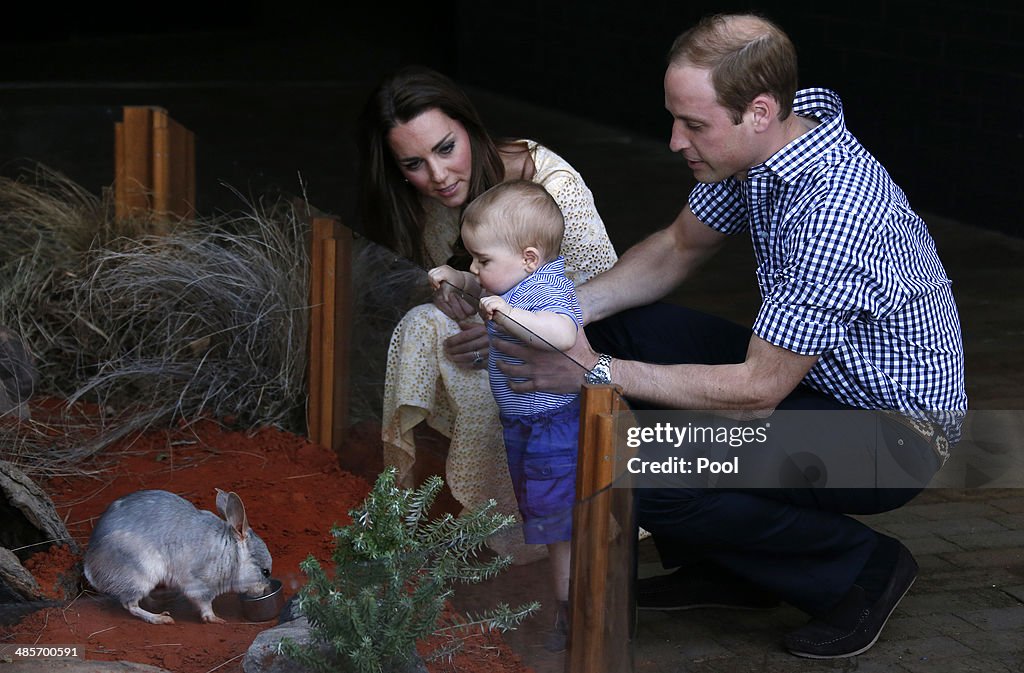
[934, 89]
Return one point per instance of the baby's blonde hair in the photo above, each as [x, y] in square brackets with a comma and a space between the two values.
[520, 213]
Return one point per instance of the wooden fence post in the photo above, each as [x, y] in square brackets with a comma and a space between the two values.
[154, 165]
[329, 331]
[601, 579]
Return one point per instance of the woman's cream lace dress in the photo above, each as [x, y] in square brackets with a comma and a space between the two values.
[421, 384]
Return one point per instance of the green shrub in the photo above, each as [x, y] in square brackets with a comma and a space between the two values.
[394, 570]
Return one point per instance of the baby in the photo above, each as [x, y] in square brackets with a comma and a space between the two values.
[513, 232]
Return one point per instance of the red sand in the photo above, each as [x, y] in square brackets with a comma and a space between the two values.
[293, 492]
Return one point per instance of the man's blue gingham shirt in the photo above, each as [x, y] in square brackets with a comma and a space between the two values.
[847, 271]
[546, 289]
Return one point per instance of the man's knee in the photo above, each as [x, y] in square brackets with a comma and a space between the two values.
[664, 510]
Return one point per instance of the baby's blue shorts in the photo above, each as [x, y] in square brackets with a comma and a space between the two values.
[541, 451]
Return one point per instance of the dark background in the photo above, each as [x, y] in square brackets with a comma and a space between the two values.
[934, 89]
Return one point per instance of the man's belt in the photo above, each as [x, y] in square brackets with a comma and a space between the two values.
[932, 433]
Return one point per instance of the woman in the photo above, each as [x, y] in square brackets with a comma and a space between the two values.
[425, 155]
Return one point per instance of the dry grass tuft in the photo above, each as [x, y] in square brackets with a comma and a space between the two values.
[210, 320]
[207, 319]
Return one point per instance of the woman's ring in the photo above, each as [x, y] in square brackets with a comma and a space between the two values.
[477, 358]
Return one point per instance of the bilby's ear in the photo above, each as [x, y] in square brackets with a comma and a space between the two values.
[231, 508]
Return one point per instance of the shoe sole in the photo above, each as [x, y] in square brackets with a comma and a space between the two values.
[808, 655]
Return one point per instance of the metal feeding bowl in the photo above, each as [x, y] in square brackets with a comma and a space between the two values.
[263, 608]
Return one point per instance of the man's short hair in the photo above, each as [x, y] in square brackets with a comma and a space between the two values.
[747, 55]
[523, 213]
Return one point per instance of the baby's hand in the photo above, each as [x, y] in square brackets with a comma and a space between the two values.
[492, 304]
[441, 274]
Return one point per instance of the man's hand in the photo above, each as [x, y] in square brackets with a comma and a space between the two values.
[548, 370]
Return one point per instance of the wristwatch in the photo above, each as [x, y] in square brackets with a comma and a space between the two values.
[602, 372]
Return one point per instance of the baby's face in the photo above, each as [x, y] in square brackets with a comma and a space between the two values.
[497, 267]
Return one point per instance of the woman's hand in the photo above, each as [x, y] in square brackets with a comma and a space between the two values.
[448, 293]
[548, 370]
[468, 348]
[454, 304]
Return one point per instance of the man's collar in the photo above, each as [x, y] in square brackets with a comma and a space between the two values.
[821, 105]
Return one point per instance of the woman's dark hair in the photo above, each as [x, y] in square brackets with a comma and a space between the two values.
[390, 207]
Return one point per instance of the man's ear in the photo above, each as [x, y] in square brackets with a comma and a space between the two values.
[531, 259]
[763, 109]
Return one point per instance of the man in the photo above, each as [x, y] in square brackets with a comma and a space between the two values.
[857, 313]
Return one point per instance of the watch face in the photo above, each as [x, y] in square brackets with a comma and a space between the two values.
[601, 373]
[598, 374]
